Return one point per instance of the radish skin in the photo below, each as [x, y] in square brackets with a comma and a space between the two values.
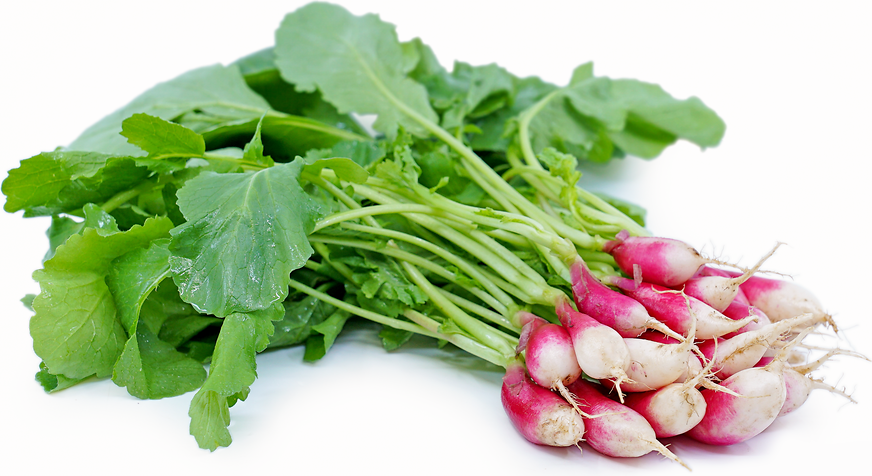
[654, 365]
[619, 431]
[730, 419]
[739, 310]
[679, 311]
[551, 360]
[662, 261]
[745, 350]
[541, 416]
[599, 349]
[781, 299]
[719, 290]
[618, 311]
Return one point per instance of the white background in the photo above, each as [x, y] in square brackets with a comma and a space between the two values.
[791, 80]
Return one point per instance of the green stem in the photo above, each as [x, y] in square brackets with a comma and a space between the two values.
[123, 197]
[481, 331]
[462, 342]
[357, 311]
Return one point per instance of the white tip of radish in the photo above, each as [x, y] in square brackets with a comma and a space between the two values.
[560, 427]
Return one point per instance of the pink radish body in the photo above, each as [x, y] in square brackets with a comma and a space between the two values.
[730, 419]
[716, 291]
[709, 271]
[622, 313]
[693, 365]
[550, 357]
[539, 414]
[678, 311]
[782, 299]
[619, 431]
[739, 310]
[671, 410]
[654, 365]
[529, 323]
[599, 349]
[662, 261]
[800, 385]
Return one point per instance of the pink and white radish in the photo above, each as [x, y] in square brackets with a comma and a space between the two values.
[551, 360]
[673, 409]
[781, 299]
[719, 290]
[654, 365]
[693, 366]
[800, 384]
[619, 431]
[738, 310]
[622, 313]
[679, 311]
[745, 350]
[539, 414]
[662, 261]
[710, 271]
[730, 419]
[599, 349]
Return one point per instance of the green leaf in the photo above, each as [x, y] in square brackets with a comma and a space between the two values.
[55, 182]
[393, 339]
[253, 151]
[161, 138]
[284, 136]
[198, 99]
[244, 235]
[262, 76]
[133, 276]
[151, 368]
[60, 230]
[329, 330]
[298, 320]
[232, 371]
[75, 327]
[635, 212]
[345, 169]
[356, 62]
[494, 131]
[168, 145]
[51, 382]
[99, 220]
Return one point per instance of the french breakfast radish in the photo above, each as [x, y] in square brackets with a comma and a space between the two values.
[679, 311]
[664, 261]
[599, 349]
[619, 431]
[618, 311]
[539, 414]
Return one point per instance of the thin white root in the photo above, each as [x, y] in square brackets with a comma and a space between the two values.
[570, 398]
[662, 449]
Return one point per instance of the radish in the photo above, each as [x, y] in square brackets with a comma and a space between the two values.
[599, 349]
[738, 310]
[679, 311]
[781, 299]
[551, 359]
[693, 365]
[673, 409]
[745, 350]
[730, 419]
[540, 415]
[709, 271]
[662, 261]
[800, 384]
[719, 291]
[622, 313]
[530, 322]
[654, 365]
[620, 431]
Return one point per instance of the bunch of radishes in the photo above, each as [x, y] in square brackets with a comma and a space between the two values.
[684, 348]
